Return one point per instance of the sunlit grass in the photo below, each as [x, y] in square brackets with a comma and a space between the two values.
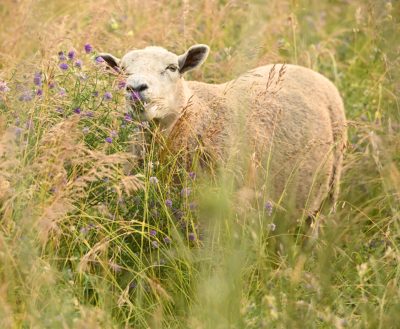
[93, 237]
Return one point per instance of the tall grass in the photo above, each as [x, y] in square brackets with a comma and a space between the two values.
[92, 237]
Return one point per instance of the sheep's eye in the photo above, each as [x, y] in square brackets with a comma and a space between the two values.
[172, 68]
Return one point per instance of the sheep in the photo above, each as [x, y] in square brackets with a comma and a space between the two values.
[286, 123]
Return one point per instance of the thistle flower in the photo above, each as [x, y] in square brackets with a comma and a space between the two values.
[26, 96]
[71, 54]
[99, 60]
[128, 118]
[62, 92]
[88, 48]
[37, 79]
[121, 84]
[18, 131]
[153, 232]
[77, 110]
[109, 140]
[153, 180]
[78, 64]
[192, 236]
[51, 85]
[61, 56]
[269, 207]
[39, 92]
[168, 203]
[3, 87]
[63, 66]
[107, 96]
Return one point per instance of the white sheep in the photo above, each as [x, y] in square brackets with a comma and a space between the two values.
[285, 123]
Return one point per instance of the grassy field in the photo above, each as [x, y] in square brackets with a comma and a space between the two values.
[89, 238]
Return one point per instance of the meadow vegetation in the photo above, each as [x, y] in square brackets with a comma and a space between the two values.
[90, 237]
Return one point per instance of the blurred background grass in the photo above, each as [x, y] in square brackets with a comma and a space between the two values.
[242, 274]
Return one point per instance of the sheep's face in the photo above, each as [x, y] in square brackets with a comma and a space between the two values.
[154, 78]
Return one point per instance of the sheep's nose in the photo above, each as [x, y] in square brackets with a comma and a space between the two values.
[137, 88]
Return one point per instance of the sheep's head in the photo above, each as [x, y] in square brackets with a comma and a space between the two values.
[154, 78]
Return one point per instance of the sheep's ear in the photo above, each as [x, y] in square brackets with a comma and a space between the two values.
[111, 60]
[194, 57]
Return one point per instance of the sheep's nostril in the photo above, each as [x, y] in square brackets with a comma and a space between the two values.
[137, 88]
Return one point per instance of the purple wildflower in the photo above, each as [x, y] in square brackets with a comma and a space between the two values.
[192, 175]
[37, 79]
[85, 130]
[71, 54]
[3, 87]
[77, 110]
[153, 232]
[107, 96]
[26, 96]
[29, 124]
[78, 64]
[89, 114]
[18, 131]
[192, 236]
[61, 56]
[153, 180]
[185, 192]
[39, 92]
[99, 60]
[63, 66]
[145, 124]
[168, 203]
[269, 207]
[88, 48]
[109, 140]
[154, 244]
[62, 92]
[128, 118]
[121, 84]
[167, 240]
[51, 85]
[135, 96]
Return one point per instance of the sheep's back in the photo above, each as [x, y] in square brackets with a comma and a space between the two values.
[293, 117]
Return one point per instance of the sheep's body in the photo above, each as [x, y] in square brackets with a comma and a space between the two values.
[284, 125]
[291, 124]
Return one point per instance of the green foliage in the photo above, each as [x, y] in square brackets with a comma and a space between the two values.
[92, 237]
